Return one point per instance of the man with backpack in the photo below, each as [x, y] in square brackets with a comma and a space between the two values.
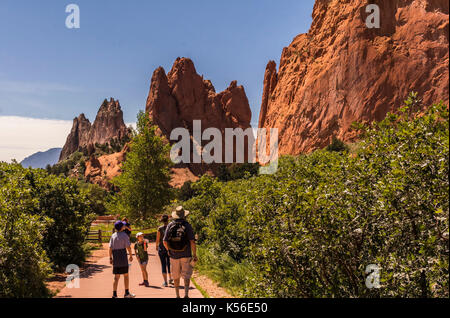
[179, 240]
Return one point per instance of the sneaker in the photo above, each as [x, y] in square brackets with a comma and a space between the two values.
[165, 284]
[171, 281]
[146, 284]
[142, 284]
[130, 295]
[114, 296]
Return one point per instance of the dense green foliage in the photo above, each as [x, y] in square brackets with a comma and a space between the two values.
[337, 145]
[144, 184]
[23, 261]
[43, 223]
[186, 192]
[311, 229]
[223, 268]
[96, 197]
[76, 160]
[237, 171]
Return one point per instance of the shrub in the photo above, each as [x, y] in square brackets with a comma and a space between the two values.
[337, 145]
[186, 192]
[311, 229]
[24, 265]
[60, 200]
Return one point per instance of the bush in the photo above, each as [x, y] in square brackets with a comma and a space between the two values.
[337, 145]
[186, 192]
[24, 265]
[60, 200]
[237, 171]
[223, 269]
[96, 197]
[311, 229]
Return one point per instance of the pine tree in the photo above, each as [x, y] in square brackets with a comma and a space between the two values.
[144, 184]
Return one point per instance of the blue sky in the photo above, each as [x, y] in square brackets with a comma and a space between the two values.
[49, 71]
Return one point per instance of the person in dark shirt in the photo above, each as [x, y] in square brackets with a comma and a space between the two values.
[162, 251]
[119, 244]
[127, 228]
[179, 240]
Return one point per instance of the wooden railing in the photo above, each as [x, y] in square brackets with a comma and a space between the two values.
[99, 235]
[93, 236]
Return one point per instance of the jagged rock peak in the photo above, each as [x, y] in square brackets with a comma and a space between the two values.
[182, 96]
[108, 125]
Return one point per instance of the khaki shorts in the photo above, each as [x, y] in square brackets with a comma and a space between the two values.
[181, 267]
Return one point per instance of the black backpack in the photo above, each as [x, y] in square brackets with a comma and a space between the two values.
[177, 237]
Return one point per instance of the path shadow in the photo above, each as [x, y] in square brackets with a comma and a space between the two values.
[93, 269]
[155, 287]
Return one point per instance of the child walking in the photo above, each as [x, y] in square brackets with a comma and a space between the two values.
[140, 250]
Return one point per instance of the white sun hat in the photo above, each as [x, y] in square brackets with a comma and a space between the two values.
[139, 234]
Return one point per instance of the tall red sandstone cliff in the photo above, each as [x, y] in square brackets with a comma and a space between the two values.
[108, 125]
[341, 71]
[182, 96]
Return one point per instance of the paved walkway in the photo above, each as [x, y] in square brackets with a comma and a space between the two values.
[97, 282]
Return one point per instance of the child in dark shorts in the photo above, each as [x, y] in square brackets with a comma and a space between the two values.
[119, 244]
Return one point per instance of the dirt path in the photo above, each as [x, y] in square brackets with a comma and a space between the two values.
[96, 281]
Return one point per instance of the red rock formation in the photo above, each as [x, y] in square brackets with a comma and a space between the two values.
[107, 125]
[78, 136]
[341, 71]
[103, 169]
[182, 96]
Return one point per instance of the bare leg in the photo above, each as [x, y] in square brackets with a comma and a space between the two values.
[145, 273]
[116, 282]
[177, 287]
[126, 281]
[187, 282]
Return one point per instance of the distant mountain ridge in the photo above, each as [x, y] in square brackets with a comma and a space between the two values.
[42, 159]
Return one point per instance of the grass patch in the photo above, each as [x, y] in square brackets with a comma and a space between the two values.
[202, 291]
[223, 270]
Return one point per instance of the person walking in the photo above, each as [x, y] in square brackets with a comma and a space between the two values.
[179, 240]
[119, 244]
[140, 250]
[127, 228]
[162, 251]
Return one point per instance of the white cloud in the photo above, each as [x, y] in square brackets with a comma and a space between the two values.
[21, 136]
[131, 124]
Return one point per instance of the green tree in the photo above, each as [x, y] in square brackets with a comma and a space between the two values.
[186, 192]
[24, 265]
[144, 187]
